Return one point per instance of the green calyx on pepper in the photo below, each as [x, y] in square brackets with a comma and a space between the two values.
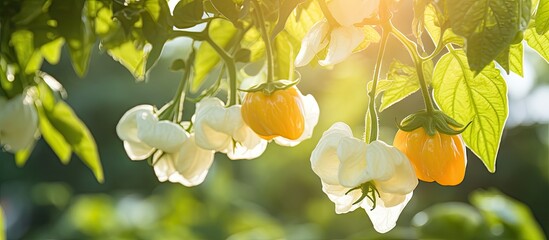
[432, 122]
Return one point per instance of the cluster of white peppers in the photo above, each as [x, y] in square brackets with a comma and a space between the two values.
[376, 177]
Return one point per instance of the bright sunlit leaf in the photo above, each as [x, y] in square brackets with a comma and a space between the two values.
[540, 43]
[221, 32]
[402, 80]
[542, 17]
[2, 224]
[480, 99]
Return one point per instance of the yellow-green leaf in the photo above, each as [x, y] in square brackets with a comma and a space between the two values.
[402, 81]
[516, 55]
[370, 36]
[432, 24]
[75, 133]
[131, 58]
[52, 51]
[221, 31]
[540, 43]
[23, 155]
[542, 17]
[55, 140]
[480, 99]
[29, 58]
[2, 225]
[286, 51]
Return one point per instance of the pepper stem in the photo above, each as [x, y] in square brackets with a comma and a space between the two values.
[418, 60]
[371, 127]
[266, 40]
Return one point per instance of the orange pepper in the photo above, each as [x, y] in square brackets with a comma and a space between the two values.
[439, 158]
[277, 114]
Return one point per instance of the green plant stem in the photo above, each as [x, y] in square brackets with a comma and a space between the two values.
[231, 69]
[198, 36]
[418, 61]
[267, 40]
[324, 7]
[179, 98]
[372, 94]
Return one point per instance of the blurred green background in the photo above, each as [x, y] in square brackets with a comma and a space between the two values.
[276, 196]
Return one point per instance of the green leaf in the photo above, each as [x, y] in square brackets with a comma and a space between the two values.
[188, 13]
[433, 23]
[77, 135]
[29, 59]
[221, 32]
[76, 30]
[286, 51]
[542, 17]
[52, 51]
[489, 26]
[516, 55]
[540, 43]
[402, 80]
[481, 99]
[2, 225]
[515, 217]
[227, 8]
[299, 25]
[285, 9]
[29, 11]
[252, 40]
[23, 155]
[131, 58]
[54, 138]
[370, 36]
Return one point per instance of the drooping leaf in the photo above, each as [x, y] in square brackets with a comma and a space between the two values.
[77, 31]
[131, 58]
[480, 99]
[29, 59]
[284, 10]
[510, 59]
[540, 43]
[297, 26]
[188, 13]
[157, 26]
[77, 135]
[370, 36]
[516, 56]
[52, 50]
[29, 11]
[227, 8]
[434, 24]
[503, 59]
[221, 32]
[54, 138]
[2, 224]
[542, 17]
[23, 155]
[489, 26]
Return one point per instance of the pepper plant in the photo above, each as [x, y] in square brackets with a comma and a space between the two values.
[459, 74]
